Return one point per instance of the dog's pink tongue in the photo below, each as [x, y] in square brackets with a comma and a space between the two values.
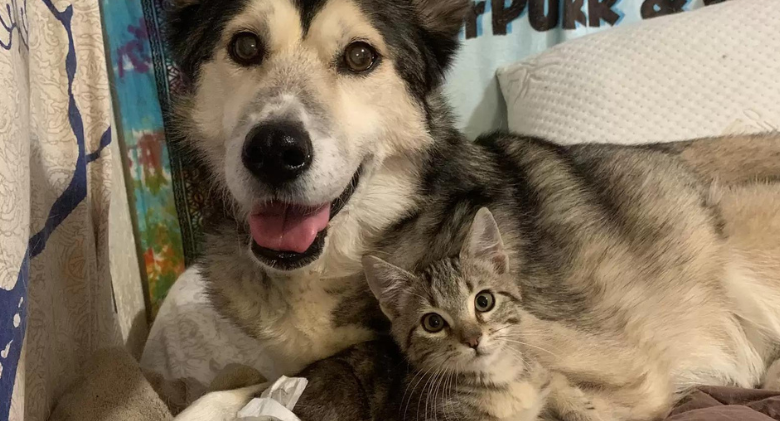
[285, 228]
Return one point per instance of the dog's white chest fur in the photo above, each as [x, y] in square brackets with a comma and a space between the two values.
[307, 332]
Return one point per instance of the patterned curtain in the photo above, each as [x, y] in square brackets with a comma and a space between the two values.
[56, 302]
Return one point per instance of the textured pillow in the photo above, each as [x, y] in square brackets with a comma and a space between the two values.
[709, 72]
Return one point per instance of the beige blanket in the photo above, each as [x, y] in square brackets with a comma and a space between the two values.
[113, 387]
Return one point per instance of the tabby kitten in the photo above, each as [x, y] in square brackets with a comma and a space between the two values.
[458, 351]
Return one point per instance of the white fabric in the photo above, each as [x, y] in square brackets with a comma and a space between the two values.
[708, 72]
[695, 74]
[190, 340]
[222, 405]
[276, 402]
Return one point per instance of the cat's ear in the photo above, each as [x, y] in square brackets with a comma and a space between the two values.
[389, 283]
[484, 242]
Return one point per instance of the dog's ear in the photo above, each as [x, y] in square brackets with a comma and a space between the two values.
[443, 17]
[389, 283]
[484, 242]
[184, 3]
[441, 21]
[179, 10]
[183, 34]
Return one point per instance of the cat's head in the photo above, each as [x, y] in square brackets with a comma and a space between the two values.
[457, 314]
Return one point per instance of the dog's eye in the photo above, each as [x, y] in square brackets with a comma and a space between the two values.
[433, 323]
[359, 57]
[484, 301]
[246, 49]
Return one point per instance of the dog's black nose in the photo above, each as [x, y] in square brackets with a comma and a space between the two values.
[277, 152]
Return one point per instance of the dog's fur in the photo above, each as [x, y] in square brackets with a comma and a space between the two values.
[590, 226]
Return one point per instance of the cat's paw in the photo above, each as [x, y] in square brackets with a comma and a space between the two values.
[772, 377]
[582, 414]
[581, 400]
[572, 404]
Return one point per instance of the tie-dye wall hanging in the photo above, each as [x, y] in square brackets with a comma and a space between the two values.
[147, 155]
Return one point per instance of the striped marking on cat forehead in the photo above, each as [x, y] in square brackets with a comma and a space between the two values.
[444, 278]
[443, 281]
[441, 273]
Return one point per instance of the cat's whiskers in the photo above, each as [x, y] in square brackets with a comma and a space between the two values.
[449, 378]
[527, 344]
[518, 356]
[427, 396]
[411, 392]
[520, 337]
[436, 391]
[448, 394]
[530, 333]
[499, 330]
[426, 392]
[445, 392]
[408, 385]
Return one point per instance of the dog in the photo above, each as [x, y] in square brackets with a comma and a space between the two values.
[313, 119]
[322, 125]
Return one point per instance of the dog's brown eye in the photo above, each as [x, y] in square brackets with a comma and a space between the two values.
[359, 57]
[246, 49]
[484, 301]
[433, 323]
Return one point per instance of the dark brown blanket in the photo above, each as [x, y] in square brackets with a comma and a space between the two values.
[728, 404]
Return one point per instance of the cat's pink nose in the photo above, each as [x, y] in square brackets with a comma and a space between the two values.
[472, 341]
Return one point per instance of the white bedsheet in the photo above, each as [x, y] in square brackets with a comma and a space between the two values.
[190, 340]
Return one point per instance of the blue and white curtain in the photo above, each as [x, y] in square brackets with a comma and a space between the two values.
[56, 302]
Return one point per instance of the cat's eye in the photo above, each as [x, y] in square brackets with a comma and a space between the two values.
[433, 323]
[360, 57]
[246, 49]
[484, 301]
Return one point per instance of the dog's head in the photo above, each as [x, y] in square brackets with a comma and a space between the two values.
[291, 101]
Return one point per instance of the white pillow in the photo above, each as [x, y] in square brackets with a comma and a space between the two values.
[708, 72]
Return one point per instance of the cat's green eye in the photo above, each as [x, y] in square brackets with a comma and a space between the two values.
[433, 323]
[484, 302]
